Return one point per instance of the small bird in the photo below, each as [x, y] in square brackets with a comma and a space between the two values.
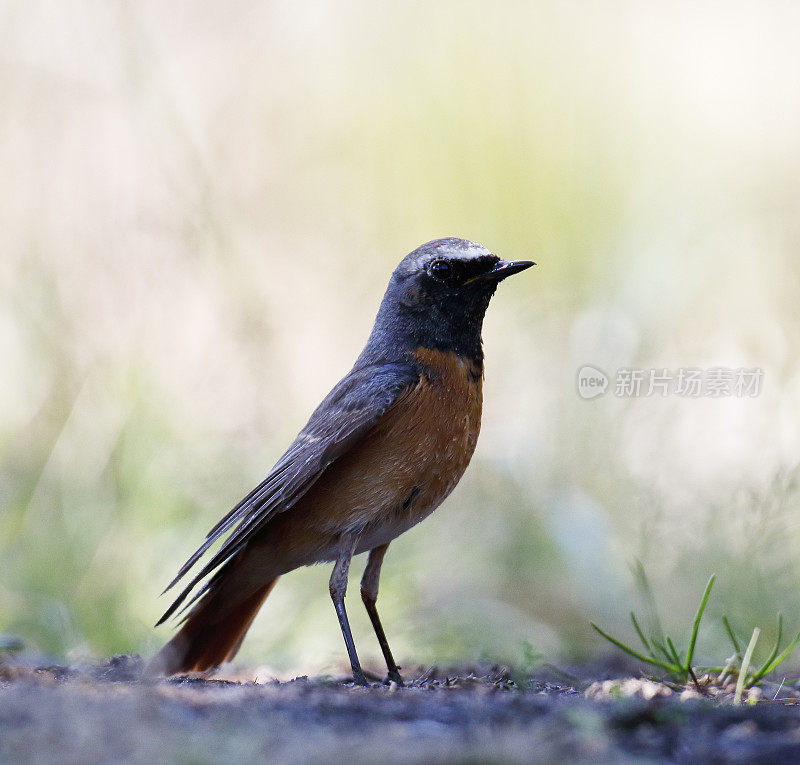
[379, 454]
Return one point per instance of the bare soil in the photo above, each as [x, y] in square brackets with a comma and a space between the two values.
[109, 713]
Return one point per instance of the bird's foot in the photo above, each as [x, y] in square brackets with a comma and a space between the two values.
[394, 677]
[369, 680]
[359, 678]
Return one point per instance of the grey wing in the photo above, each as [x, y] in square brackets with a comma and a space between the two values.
[343, 417]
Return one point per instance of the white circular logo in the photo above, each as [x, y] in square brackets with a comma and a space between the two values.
[592, 382]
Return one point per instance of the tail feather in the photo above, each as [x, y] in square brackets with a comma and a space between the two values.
[212, 631]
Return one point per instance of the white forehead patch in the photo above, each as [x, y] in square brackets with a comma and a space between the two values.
[464, 249]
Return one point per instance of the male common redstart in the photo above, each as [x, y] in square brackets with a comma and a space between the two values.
[378, 455]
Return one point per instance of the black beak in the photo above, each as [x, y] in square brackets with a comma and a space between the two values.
[508, 268]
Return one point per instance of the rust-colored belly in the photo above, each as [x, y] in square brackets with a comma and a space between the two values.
[397, 474]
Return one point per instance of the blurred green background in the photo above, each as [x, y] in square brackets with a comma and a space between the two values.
[200, 206]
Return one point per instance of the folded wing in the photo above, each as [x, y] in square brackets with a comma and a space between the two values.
[347, 413]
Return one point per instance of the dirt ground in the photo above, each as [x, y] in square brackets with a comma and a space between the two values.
[108, 713]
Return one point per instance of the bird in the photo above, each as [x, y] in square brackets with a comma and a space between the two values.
[381, 452]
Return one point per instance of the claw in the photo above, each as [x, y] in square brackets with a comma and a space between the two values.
[359, 678]
[394, 677]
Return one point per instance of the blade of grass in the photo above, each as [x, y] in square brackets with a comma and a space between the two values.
[765, 666]
[783, 655]
[732, 636]
[737, 696]
[696, 626]
[646, 594]
[672, 669]
[641, 635]
[723, 672]
[676, 657]
[665, 653]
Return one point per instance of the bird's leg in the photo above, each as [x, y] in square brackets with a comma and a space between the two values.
[338, 588]
[369, 594]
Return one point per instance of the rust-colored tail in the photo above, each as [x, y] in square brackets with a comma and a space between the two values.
[212, 632]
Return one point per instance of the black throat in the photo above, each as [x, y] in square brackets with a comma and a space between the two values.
[450, 324]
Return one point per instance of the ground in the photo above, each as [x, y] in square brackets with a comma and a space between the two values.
[108, 713]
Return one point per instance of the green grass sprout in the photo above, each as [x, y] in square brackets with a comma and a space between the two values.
[748, 654]
[732, 636]
[773, 661]
[660, 650]
[679, 669]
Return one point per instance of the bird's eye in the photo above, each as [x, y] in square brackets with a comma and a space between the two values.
[440, 269]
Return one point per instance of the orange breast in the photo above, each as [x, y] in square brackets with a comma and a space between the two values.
[401, 471]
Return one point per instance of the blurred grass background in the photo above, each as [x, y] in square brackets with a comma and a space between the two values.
[200, 206]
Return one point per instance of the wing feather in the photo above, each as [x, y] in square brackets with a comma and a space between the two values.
[346, 414]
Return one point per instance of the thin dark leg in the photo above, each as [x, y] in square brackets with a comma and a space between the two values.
[338, 588]
[369, 594]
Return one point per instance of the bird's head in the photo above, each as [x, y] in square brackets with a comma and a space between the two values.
[439, 293]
